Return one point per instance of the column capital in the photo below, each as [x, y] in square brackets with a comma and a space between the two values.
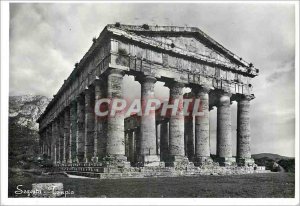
[146, 79]
[116, 72]
[101, 80]
[174, 84]
[201, 88]
[223, 98]
[241, 97]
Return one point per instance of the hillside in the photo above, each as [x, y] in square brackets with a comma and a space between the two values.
[23, 129]
[25, 110]
[275, 162]
[270, 156]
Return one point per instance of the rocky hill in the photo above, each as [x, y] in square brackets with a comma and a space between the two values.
[25, 110]
[23, 129]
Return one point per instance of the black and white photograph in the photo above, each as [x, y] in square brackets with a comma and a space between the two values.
[150, 103]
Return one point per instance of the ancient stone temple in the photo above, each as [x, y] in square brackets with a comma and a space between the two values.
[80, 142]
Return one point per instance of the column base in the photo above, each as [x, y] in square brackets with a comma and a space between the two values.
[245, 161]
[199, 161]
[226, 161]
[178, 162]
[150, 161]
[119, 161]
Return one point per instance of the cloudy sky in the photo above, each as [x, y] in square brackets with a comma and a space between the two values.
[46, 40]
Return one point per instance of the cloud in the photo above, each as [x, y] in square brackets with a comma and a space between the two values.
[46, 40]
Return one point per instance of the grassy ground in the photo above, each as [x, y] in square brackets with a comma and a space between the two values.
[254, 185]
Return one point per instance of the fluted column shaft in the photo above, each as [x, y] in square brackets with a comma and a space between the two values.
[89, 125]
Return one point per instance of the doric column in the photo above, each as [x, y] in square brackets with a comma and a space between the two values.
[137, 137]
[61, 137]
[127, 144]
[131, 140]
[189, 130]
[89, 125]
[49, 138]
[177, 156]
[164, 140]
[53, 141]
[189, 137]
[66, 134]
[115, 149]
[80, 129]
[224, 145]
[243, 130]
[100, 122]
[58, 140]
[202, 146]
[73, 132]
[148, 154]
[158, 139]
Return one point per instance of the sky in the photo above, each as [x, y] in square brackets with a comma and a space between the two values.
[46, 40]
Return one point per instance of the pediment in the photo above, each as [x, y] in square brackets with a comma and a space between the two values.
[190, 42]
[193, 45]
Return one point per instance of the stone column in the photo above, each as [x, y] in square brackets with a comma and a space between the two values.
[61, 138]
[66, 134]
[189, 136]
[131, 140]
[115, 149]
[243, 131]
[73, 132]
[224, 145]
[89, 125]
[148, 154]
[137, 135]
[127, 144]
[202, 146]
[100, 123]
[177, 156]
[49, 138]
[80, 129]
[158, 138]
[164, 140]
[58, 140]
[53, 141]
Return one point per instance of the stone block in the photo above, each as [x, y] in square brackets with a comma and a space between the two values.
[245, 162]
[199, 161]
[226, 161]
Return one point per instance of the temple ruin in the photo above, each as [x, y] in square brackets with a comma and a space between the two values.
[79, 142]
